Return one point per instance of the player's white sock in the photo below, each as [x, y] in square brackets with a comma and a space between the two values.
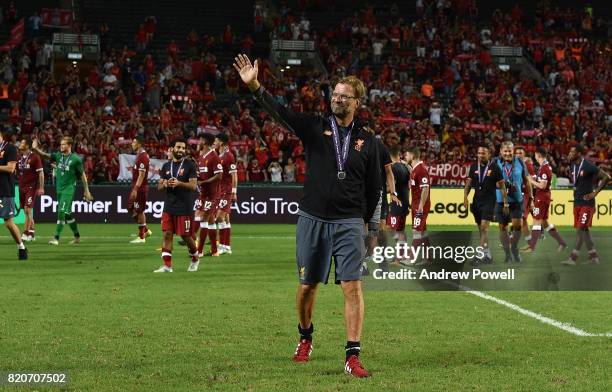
[228, 226]
[21, 245]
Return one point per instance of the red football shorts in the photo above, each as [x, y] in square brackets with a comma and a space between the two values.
[419, 223]
[178, 224]
[27, 197]
[540, 209]
[225, 203]
[583, 216]
[396, 223]
[137, 206]
[206, 204]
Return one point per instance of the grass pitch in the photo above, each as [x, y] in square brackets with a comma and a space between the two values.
[97, 311]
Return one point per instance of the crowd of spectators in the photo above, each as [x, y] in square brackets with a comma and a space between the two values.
[431, 81]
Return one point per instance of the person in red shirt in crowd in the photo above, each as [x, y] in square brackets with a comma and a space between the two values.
[232, 83]
[172, 50]
[166, 117]
[140, 189]
[247, 44]
[94, 77]
[255, 173]
[27, 125]
[192, 42]
[31, 185]
[14, 114]
[11, 13]
[16, 93]
[228, 38]
[22, 79]
[149, 65]
[241, 171]
[261, 154]
[194, 92]
[207, 95]
[150, 26]
[300, 166]
[141, 39]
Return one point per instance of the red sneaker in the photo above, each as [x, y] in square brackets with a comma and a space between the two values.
[303, 351]
[354, 368]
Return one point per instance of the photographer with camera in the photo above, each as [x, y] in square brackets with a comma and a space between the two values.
[515, 176]
[276, 172]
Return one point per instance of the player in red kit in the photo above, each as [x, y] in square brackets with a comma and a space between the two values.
[178, 178]
[419, 192]
[31, 185]
[542, 201]
[209, 174]
[584, 176]
[140, 189]
[228, 190]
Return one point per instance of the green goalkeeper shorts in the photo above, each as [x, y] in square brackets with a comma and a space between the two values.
[64, 201]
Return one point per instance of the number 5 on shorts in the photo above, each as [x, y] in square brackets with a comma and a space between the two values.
[584, 218]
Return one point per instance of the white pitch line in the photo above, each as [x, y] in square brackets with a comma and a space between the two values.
[546, 320]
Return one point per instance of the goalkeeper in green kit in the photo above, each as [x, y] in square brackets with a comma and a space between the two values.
[68, 168]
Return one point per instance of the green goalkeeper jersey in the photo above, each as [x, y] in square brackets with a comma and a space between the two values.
[69, 168]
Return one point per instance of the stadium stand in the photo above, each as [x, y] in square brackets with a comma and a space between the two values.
[430, 68]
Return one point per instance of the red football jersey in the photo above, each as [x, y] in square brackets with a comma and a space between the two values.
[419, 178]
[229, 166]
[28, 168]
[209, 164]
[141, 164]
[544, 174]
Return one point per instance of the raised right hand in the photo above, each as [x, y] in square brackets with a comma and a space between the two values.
[248, 72]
